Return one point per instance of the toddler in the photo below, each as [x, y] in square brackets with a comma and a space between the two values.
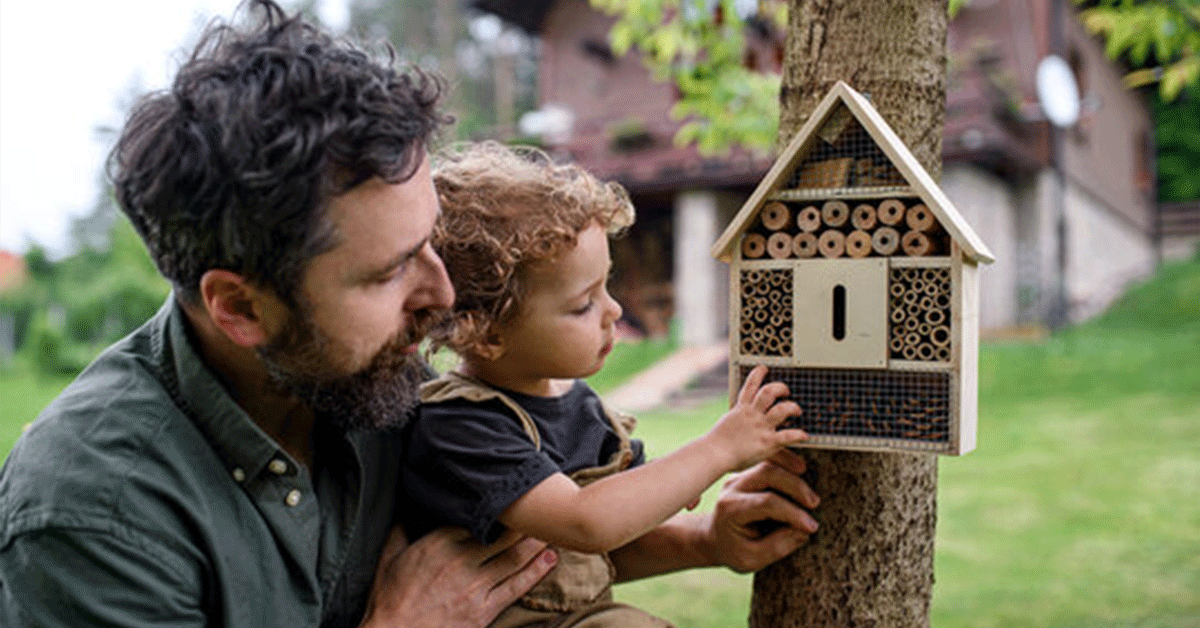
[514, 438]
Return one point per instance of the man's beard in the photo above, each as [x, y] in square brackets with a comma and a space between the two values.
[379, 396]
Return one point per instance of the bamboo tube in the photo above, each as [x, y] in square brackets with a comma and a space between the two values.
[809, 219]
[835, 213]
[779, 245]
[776, 321]
[832, 244]
[912, 322]
[942, 300]
[896, 289]
[785, 332]
[786, 301]
[863, 217]
[934, 275]
[910, 299]
[773, 345]
[910, 352]
[924, 329]
[753, 246]
[898, 315]
[919, 218]
[753, 276]
[912, 339]
[885, 241]
[916, 244]
[858, 244]
[935, 317]
[940, 335]
[776, 216]
[925, 351]
[748, 347]
[891, 212]
[896, 344]
[943, 354]
[747, 326]
[757, 334]
[804, 245]
[760, 316]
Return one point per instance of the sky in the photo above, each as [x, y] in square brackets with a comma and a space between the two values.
[65, 69]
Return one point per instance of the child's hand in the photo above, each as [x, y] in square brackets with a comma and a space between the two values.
[747, 434]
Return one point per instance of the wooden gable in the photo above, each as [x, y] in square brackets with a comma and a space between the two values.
[846, 150]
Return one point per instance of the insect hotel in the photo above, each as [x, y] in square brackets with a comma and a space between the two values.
[855, 280]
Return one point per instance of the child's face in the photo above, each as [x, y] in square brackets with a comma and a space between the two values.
[565, 326]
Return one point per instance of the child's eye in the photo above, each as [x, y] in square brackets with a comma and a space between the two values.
[585, 309]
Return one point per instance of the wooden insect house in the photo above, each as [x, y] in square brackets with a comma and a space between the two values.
[854, 279]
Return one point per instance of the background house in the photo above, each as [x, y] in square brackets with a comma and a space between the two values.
[1070, 214]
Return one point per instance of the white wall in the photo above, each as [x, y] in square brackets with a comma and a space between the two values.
[701, 282]
[986, 202]
[1105, 254]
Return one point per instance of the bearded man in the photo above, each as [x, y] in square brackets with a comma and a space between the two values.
[235, 461]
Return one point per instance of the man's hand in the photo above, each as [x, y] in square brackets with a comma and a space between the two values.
[447, 580]
[770, 491]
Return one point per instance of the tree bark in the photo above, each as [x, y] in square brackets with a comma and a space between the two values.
[871, 563]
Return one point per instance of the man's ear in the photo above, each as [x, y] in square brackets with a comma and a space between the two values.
[235, 306]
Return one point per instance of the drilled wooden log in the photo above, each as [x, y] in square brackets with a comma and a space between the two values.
[804, 245]
[753, 246]
[832, 244]
[776, 216]
[885, 241]
[916, 244]
[858, 244]
[834, 214]
[809, 219]
[920, 218]
[779, 245]
[891, 212]
[864, 217]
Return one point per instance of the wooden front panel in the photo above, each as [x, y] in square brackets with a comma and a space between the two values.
[841, 313]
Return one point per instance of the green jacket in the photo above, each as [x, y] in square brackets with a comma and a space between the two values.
[144, 496]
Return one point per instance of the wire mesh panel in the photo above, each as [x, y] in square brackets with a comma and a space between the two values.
[919, 314]
[845, 156]
[911, 409]
[766, 314]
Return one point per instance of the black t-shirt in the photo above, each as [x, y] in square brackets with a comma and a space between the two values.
[465, 462]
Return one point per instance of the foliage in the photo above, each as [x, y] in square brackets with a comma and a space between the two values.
[1178, 140]
[437, 35]
[1161, 38]
[699, 46]
[73, 307]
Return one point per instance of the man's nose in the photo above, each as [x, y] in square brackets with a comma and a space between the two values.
[435, 290]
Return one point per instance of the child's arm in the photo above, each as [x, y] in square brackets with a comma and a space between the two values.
[617, 509]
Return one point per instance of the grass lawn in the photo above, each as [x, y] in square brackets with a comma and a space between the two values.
[1079, 508]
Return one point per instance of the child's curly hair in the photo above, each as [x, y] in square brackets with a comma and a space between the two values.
[503, 210]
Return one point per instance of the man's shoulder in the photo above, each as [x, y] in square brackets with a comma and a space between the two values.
[112, 435]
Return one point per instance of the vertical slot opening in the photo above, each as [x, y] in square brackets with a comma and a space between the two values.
[839, 312]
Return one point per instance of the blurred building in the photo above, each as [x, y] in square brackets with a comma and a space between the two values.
[1070, 213]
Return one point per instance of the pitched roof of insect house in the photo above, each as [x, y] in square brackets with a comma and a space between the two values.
[831, 126]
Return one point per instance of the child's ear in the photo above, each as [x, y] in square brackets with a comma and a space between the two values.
[236, 307]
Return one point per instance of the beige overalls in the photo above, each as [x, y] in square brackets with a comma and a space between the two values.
[577, 593]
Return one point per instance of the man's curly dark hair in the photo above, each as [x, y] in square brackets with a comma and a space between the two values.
[232, 166]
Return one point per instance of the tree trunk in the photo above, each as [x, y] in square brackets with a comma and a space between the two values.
[871, 563]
